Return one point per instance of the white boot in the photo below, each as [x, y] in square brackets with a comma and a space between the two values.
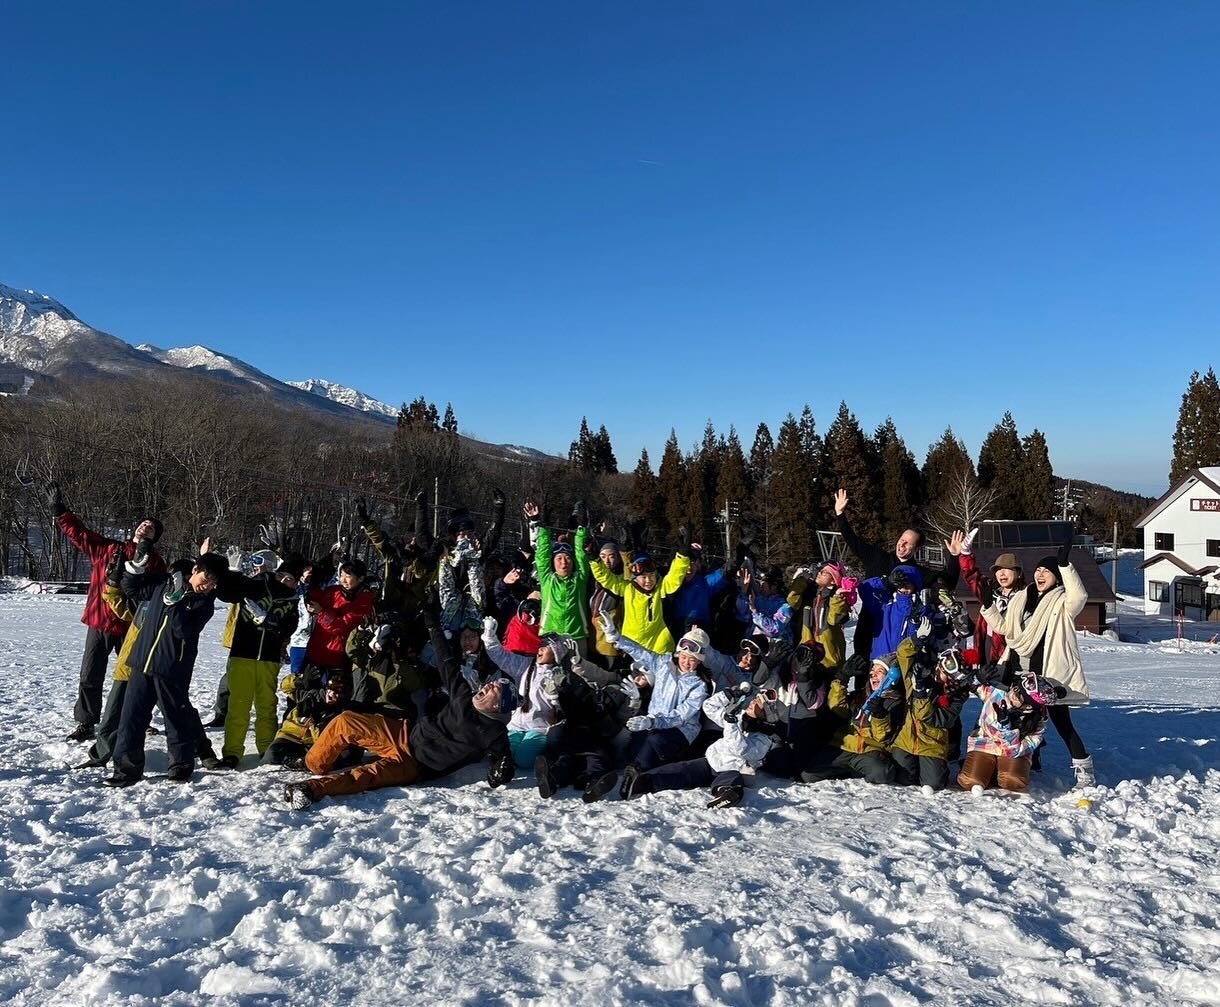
[1083, 768]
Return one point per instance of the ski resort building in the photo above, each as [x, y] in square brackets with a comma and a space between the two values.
[1182, 548]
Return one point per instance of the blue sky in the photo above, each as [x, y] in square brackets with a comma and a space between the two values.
[650, 214]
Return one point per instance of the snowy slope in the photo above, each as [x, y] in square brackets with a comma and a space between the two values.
[202, 358]
[33, 326]
[350, 397]
[453, 894]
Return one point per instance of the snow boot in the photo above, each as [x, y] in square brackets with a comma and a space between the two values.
[595, 790]
[83, 732]
[1083, 768]
[91, 763]
[118, 780]
[630, 775]
[542, 773]
[179, 774]
[726, 797]
[298, 796]
[229, 762]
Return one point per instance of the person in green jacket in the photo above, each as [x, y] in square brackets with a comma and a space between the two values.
[563, 576]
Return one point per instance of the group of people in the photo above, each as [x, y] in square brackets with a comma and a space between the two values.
[581, 659]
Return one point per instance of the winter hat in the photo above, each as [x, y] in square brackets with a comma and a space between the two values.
[1006, 561]
[1037, 688]
[264, 561]
[158, 529]
[641, 562]
[1050, 563]
[886, 661]
[459, 520]
[508, 701]
[694, 641]
[835, 571]
[609, 544]
[905, 575]
[529, 611]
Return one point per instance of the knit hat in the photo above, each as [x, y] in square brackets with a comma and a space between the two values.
[1006, 561]
[158, 529]
[905, 575]
[834, 570]
[887, 661]
[1050, 563]
[459, 520]
[609, 544]
[641, 562]
[694, 641]
[264, 561]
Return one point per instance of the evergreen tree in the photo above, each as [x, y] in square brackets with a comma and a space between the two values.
[791, 498]
[947, 460]
[672, 486]
[847, 465]
[603, 453]
[1196, 440]
[1037, 478]
[899, 480]
[760, 455]
[1000, 466]
[419, 415]
[449, 423]
[731, 485]
[707, 465]
[645, 500]
[813, 448]
[583, 453]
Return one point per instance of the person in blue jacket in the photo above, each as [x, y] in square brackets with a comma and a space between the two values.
[893, 608]
[691, 604]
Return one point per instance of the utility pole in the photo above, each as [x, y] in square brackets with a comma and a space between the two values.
[436, 506]
[729, 517]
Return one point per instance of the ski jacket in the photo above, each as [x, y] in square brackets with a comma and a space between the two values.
[520, 638]
[99, 550]
[995, 735]
[929, 718]
[874, 734]
[168, 641]
[264, 640]
[304, 627]
[737, 750]
[989, 644]
[538, 705]
[592, 715]
[677, 699]
[338, 614]
[892, 616]
[643, 612]
[113, 597]
[565, 600]
[1045, 640]
[457, 734]
[692, 602]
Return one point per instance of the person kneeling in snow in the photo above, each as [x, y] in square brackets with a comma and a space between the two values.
[470, 725]
[936, 690]
[1009, 731]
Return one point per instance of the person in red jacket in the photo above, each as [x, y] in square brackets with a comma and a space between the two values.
[106, 630]
[337, 610]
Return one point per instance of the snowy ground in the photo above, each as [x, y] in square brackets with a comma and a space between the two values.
[837, 894]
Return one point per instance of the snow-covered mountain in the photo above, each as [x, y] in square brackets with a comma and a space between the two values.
[350, 397]
[201, 358]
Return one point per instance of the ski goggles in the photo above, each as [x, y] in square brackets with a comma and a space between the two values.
[690, 647]
[645, 565]
[1037, 689]
[950, 662]
[749, 646]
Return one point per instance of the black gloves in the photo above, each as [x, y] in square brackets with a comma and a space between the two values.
[636, 532]
[499, 770]
[924, 677]
[55, 499]
[114, 571]
[362, 511]
[1064, 556]
[684, 539]
[755, 725]
[580, 514]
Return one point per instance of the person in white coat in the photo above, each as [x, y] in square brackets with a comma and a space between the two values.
[1039, 628]
[538, 707]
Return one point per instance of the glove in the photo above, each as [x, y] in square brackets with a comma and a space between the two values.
[114, 571]
[632, 691]
[55, 499]
[500, 770]
[580, 511]
[684, 540]
[639, 723]
[609, 629]
[756, 725]
[924, 677]
[968, 542]
[256, 612]
[489, 628]
[362, 511]
[857, 664]
[553, 682]
[925, 629]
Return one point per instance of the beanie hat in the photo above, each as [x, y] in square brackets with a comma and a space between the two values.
[641, 562]
[905, 575]
[1050, 563]
[835, 571]
[887, 661]
[1006, 561]
[694, 641]
[293, 565]
[459, 520]
[508, 701]
[158, 529]
[609, 544]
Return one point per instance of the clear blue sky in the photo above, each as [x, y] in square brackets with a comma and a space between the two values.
[650, 214]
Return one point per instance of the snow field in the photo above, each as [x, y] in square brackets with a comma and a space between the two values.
[840, 893]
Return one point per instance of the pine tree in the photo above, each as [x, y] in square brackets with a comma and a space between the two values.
[672, 486]
[847, 465]
[947, 459]
[813, 448]
[419, 415]
[449, 423]
[1196, 439]
[582, 453]
[899, 479]
[645, 500]
[790, 498]
[731, 486]
[760, 455]
[1000, 466]
[603, 453]
[1037, 478]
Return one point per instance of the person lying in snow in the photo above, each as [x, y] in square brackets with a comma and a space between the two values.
[469, 726]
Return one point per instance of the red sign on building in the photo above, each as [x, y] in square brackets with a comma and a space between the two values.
[1210, 506]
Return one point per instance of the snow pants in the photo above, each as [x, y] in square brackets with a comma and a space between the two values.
[384, 737]
[98, 648]
[526, 747]
[981, 769]
[251, 683]
[874, 767]
[648, 749]
[923, 770]
[108, 726]
[689, 775]
[184, 735]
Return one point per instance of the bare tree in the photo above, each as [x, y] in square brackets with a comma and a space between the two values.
[962, 504]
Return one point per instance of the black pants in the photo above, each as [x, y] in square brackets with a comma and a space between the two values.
[874, 767]
[184, 734]
[649, 749]
[689, 775]
[220, 706]
[576, 757]
[800, 749]
[1061, 717]
[920, 769]
[98, 648]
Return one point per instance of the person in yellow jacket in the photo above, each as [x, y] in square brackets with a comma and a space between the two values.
[643, 619]
[936, 689]
[870, 732]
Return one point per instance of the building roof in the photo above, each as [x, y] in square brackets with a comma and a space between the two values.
[1094, 581]
[1169, 558]
[1209, 476]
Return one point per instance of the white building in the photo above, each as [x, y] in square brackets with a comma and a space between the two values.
[1182, 548]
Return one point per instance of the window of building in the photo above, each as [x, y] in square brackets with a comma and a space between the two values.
[1213, 547]
[1158, 590]
[1163, 541]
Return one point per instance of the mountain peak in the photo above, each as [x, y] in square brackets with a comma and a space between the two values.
[351, 397]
